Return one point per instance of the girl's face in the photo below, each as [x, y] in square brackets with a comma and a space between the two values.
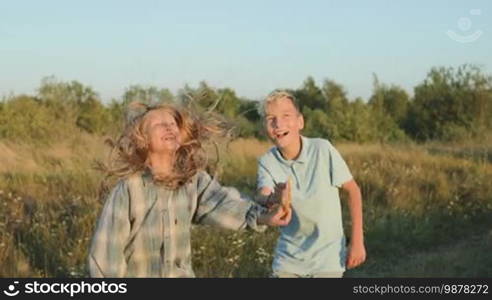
[162, 131]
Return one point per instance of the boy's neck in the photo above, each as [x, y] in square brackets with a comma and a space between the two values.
[292, 151]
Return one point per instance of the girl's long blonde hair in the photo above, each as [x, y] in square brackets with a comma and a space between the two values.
[129, 152]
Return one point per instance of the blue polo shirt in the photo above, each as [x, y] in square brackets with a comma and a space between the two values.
[314, 240]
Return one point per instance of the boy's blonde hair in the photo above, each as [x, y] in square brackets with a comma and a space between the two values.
[277, 95]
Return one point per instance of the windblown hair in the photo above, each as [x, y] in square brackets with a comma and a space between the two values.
[129, 153]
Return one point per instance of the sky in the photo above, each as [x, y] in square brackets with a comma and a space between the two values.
[251, 46]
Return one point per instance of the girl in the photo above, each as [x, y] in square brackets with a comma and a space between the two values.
[144, 228]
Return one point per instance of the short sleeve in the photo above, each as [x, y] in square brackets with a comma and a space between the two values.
[339, 171]
[264, 178]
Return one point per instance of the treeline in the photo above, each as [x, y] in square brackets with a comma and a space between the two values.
[450, 104]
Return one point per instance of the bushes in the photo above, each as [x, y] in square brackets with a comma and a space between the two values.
[449, 105]
[28, 120]
[59, 111]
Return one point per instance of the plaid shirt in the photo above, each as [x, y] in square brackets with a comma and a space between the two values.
[144, 229]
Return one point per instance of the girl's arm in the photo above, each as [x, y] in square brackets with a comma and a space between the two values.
[225, 207]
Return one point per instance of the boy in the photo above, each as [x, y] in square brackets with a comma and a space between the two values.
[313, 243]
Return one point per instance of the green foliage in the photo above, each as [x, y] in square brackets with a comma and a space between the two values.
[359, 122]
[324, 109]
[318, 124]
[224, 101]
[228, 104]
[245, 128]
[202, 98]
[390, 100]
[148, 95]
[335, 97]
[64, 98]
[451, 104]
[250, 110]
[250, 123]
[383, 105]
[310, 95]
[28, 119]
[331, 115]
[94, 117]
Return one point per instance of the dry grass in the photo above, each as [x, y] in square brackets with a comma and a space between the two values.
[420, 206]
[16, 158]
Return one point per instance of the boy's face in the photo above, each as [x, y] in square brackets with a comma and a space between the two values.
[162, 132]
[283, 122]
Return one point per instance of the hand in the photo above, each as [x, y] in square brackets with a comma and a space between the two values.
[283, 194]
[276, 216]
[356, 255]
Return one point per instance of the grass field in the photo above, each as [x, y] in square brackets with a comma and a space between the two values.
[427, 210]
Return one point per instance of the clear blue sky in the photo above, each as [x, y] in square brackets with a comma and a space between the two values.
[251, 46]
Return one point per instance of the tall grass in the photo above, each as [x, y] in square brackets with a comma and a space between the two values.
[427, 213]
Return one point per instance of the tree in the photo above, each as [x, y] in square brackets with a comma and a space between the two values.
[148, 95]
[390, 100]
[359, 122]
[65, 98]
[228, 103]
[27, 119]
[451, 104]
[73, 93]
[202, 98]
[334, 95]
[317, 124]
[380, 103]
[250, 109]
[309, 95]
[94, 117]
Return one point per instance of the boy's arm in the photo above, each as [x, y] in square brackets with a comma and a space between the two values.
[357, 251]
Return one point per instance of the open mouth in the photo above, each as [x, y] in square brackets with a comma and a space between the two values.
[281, 134]
[169, 138]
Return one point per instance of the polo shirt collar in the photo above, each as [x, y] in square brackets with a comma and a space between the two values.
[302, 158]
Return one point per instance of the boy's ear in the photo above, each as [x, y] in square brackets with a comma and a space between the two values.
[301, 121]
